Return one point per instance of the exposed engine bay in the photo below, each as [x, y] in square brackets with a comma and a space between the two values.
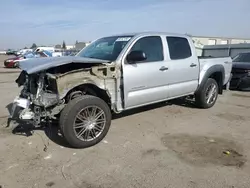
[44, 94]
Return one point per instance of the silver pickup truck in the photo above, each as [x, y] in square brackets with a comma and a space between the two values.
[114, 74]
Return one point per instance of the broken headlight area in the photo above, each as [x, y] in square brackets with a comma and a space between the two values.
[38, 99]
[40, 89]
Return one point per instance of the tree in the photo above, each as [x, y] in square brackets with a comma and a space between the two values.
[64, 45]
[33, 46]
[25, 47]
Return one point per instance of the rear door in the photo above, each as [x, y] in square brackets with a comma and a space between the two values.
[145, 81]
[183, 74]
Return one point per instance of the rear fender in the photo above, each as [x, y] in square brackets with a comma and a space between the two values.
[209, 73]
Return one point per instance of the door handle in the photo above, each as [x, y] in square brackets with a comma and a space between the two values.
[163, 68]
[193, 65]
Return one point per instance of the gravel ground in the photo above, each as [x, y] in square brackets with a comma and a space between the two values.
[165, 145]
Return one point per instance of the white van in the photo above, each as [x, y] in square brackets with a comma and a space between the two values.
[50, 49]
[23, 51]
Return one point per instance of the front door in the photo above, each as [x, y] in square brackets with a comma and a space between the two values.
[144, 82]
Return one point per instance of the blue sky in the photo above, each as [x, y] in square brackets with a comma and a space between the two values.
[49, 22]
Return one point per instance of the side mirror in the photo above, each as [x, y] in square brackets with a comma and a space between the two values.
[135, 56]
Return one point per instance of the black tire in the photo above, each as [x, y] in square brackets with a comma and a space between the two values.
[67, 119]
[200, 96]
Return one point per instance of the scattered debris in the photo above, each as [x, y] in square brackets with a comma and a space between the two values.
[235, 153]
[29, 143]
[12, 166]
[50, 184]
[48, 157]
[45, 149]
[226, 152]
[74, 153]
[212, 140]
[61, 147]
[105, 141]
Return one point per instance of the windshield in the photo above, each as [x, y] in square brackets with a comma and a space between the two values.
[244, 57]
[107, 48]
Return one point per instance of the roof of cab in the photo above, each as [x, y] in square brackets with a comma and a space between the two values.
[150, 33]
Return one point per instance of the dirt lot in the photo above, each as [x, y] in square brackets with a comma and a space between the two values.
[164, 145]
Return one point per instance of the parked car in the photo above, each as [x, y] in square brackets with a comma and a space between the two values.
[11, 52]
[114, 74]
[241, 72]
[14, 61]
[62, 52]
[24, 51]
[2, 52]
[44, 48]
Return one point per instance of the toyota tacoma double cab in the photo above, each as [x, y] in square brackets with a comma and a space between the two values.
[111, 75]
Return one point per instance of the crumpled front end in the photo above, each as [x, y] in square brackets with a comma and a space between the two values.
[37, 97]
[45, 94]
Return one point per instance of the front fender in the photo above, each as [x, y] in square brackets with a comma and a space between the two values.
[67, 83]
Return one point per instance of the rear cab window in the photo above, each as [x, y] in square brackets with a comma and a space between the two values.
[179, 48]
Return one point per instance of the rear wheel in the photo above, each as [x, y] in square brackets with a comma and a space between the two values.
[208, 94]
[85, 121]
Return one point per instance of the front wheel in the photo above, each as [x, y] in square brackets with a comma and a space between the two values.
[207, 94]
[85, 121]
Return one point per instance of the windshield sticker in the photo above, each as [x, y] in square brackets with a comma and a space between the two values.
[123, 39]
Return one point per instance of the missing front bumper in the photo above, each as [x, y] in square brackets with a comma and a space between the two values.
[20, 109]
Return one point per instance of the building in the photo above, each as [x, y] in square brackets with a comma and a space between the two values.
[80, 45]
[203, 40]
[58, 46]
[69, 47]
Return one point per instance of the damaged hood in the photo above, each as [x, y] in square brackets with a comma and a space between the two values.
[39, 64]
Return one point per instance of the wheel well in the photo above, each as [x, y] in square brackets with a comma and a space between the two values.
[88, 89]
[217, 76]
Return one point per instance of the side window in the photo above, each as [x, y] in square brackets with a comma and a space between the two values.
[151, 46]
[179, 48]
